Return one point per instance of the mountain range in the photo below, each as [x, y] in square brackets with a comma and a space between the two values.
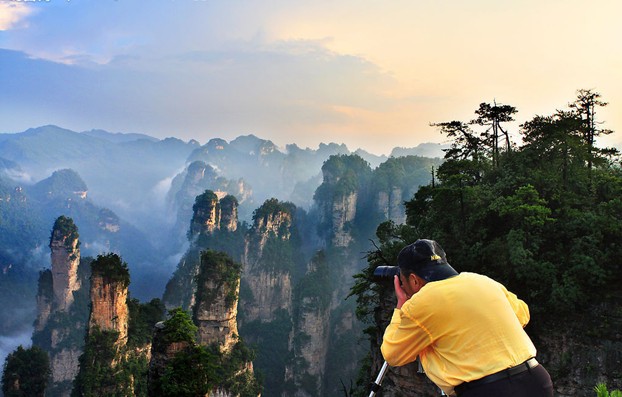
[133, 194]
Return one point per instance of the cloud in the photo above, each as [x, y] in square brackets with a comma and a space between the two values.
[263, 88]
[13, 14]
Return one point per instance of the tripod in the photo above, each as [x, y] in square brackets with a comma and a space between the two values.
[376, 385]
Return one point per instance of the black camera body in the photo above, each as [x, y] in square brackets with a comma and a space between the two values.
[386, 272]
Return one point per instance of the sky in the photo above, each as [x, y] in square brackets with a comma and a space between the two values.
[368, 73]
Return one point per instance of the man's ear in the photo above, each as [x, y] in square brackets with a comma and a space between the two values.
[413, 280]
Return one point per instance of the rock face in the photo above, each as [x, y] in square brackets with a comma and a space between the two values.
[211, 213]
[229, 213]
[59, 327]
[309, 343]
[194, 181]
[65, 260]
[216, 307]
[338, 199]
[391, 205]
[343, 211]
[45, 300]
[109, 310]
[269, 283]
[212, 217]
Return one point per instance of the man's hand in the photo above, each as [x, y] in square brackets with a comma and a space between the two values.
[401, 295]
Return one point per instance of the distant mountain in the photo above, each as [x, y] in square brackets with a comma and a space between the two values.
[431, 150]
[118, 137]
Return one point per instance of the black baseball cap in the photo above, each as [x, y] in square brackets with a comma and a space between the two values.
[426, 259]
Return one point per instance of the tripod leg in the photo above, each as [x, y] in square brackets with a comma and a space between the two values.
[376, 385]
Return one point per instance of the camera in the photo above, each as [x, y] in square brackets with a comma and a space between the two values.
[386, 272]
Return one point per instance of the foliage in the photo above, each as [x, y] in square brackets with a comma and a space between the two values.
[110, 368]
[98, 375]
[536, 219]
[197, 370]
[343, 174]
[278, 255]
[62, 183]
[142, 319]
[26, 373]
[177, 328]
[407, 171]
[218, 274]
[314, 288]
[545, 218]
[66, 228]
[189, 373]
[273, 336]
[112, 268]
[601, 391]
[272, 207]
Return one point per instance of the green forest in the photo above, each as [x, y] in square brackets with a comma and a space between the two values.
[544, 217]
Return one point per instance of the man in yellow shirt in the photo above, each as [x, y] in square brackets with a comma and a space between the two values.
[467, 329]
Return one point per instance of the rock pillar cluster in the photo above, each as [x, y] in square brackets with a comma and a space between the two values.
[211, 213]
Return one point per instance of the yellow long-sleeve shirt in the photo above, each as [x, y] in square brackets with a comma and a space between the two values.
[462, 328]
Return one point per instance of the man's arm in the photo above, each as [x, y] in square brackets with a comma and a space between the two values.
[520, 307]
[404, 337]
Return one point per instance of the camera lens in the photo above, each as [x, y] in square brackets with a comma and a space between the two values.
[386, 272]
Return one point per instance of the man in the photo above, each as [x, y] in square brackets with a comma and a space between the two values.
[467, 329]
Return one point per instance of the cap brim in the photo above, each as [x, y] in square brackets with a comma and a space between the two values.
[436, 272]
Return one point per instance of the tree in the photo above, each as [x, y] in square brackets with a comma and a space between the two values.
[492, 117]
[26, 373]
[585, 109]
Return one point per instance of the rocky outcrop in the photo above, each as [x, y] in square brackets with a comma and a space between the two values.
[216, 306]
[343, 212]
[268, 277]
[109, 310]
[211, 213]
[45, 300]
[206, 214]
[194, 181]
[109, 365]
[391, 205]
[229, 213]
[59, 327]
[65, 260]
[310, 338]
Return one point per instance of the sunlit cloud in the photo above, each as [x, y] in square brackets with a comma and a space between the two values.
[13, 14]
[371, 75]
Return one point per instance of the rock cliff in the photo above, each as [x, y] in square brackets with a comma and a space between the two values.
[196, 179]
[109, 364]
[267, 274]
[186, 352]
[391, 205]
[61, 319]
[309, 344]
[65, 260]
[213, 225]
[216, 301]
[109, 310]
[211, 213]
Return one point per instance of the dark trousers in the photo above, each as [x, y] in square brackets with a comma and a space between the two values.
[535, 382]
